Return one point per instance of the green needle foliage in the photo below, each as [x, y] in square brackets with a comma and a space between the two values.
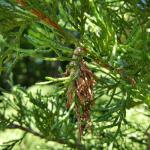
[116, 36]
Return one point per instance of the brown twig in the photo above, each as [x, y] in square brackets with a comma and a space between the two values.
[60, 141]
[40, 15]
[29, 130]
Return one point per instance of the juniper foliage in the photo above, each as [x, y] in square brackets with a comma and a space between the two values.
[116, 36]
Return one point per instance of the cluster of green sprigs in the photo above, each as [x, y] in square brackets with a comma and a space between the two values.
[13, 23]
[42, 116]
[116, 36]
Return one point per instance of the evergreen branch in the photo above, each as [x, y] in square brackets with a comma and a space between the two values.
[120, 71]
[118, 53]
[68, 36]
[60, 141]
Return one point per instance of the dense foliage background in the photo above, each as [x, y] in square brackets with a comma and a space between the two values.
[35, 56]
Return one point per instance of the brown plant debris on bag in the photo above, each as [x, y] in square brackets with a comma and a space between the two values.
[81, 89]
